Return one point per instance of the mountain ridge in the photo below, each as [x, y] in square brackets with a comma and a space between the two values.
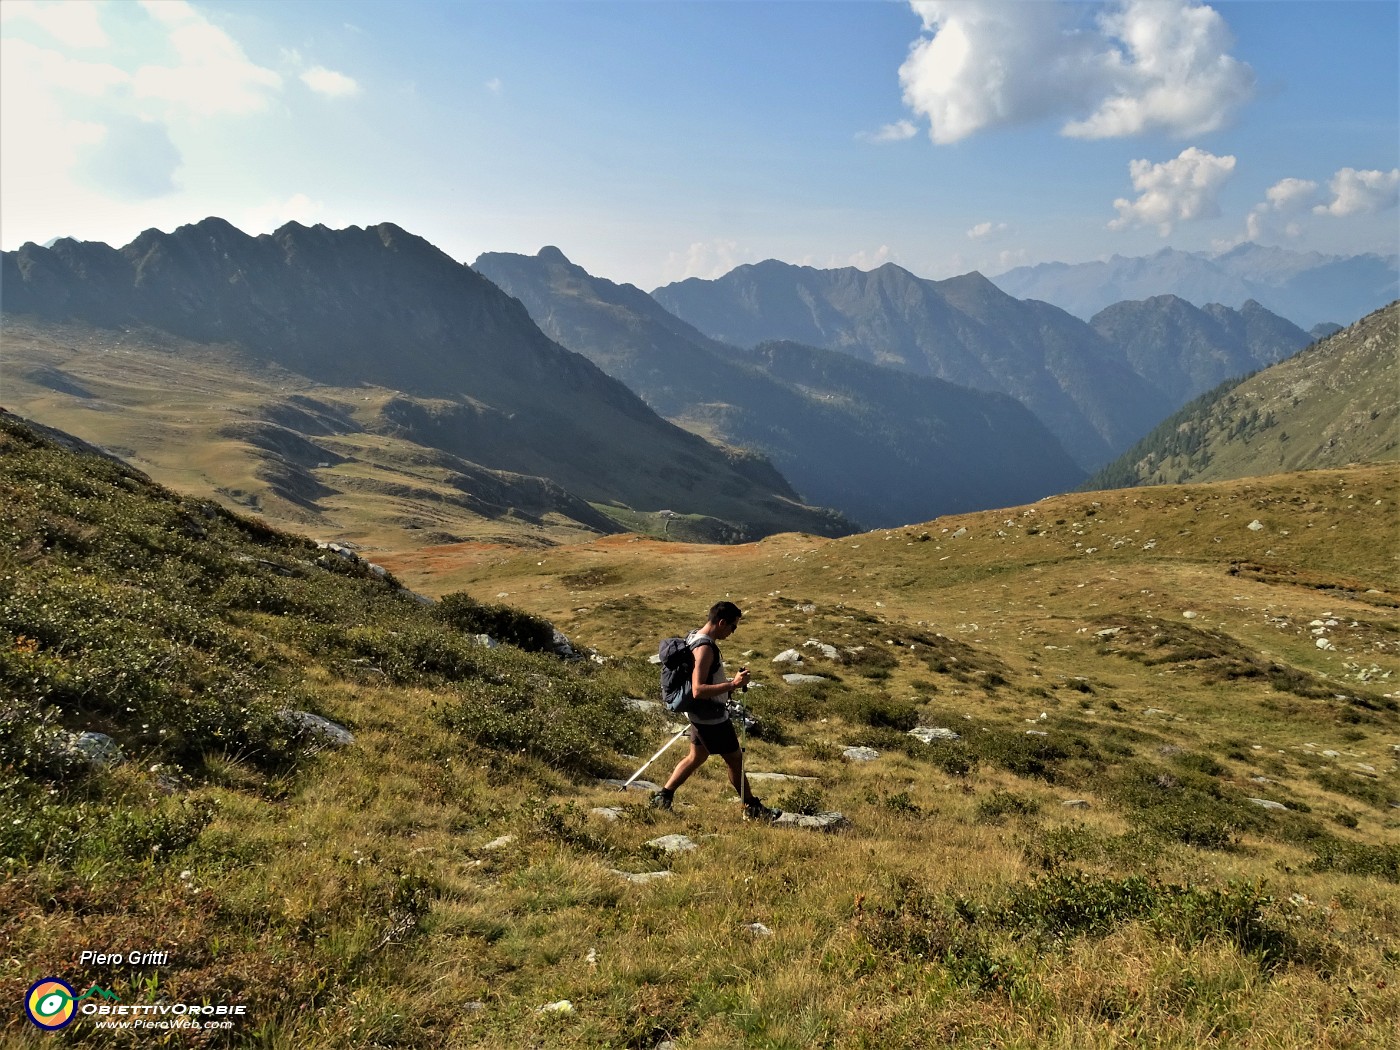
[381, 306]
[965, 330]
[883, 447]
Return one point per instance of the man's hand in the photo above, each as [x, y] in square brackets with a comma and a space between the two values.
[741, 680]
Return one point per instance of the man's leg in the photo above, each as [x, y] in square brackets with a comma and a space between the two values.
[737, 778]
[687, 765]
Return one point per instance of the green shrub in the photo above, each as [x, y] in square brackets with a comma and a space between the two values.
[1200, 764]
[807, 799]
[565, 720]
[1184, 806]
[511, 626]
[1041, 757]
[901, 803]
[997, 806]
[1357, 858]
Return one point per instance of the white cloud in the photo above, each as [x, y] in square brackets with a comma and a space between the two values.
[983, 230]
[212, 75]
[1146, 65]
[329, 83]
[495, 86]
[1274, 216]
[97, 112]
[1361, 192]
[75, 23]
[266, 218]
[707, 260]
[1174, 191]
[896, 132]
[1291, 195]
[1176, 74]
[867, 260]
[1009, 260]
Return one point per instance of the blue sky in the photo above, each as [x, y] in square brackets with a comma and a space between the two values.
[653, 141]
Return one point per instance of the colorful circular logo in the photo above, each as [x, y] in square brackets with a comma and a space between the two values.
[51, 1004]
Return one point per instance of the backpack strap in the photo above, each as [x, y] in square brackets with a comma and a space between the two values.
[700, 641]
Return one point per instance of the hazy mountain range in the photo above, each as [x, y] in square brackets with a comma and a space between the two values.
[1096, 386]
[878, 445]
[1308, 288]
[363, 375]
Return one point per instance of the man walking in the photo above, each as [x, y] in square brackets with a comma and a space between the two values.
[711, 732]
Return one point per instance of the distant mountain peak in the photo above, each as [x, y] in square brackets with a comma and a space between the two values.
[550, 254]
[1305, 287]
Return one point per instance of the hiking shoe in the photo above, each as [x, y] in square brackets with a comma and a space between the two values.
[661, 800]
[754, 809]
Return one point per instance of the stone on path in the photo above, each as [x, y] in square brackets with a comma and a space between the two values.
[672, 844]
[788, 656]
[860, 754]
[608, 813]
[803, 679]
[817, 822]
[780, 777]
[1266, 803]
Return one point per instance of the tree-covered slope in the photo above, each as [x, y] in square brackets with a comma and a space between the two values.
[1332, 404]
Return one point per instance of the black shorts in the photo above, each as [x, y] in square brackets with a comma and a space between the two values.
[717, 739]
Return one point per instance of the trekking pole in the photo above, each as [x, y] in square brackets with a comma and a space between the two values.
[664, 748]
[743, 745]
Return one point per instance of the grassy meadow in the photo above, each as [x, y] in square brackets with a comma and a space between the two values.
[1087, 865]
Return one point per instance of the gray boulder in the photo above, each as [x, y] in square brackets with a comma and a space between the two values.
[95, 750]
[928, 734]
[817, 822]
[672, 844]
[322, 729]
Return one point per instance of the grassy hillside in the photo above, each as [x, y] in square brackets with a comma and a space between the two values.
[1332, 404]
[353, 463]
[444, 877]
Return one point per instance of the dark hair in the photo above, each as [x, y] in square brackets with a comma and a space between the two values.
[725, 611]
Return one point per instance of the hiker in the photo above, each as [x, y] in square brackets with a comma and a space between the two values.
[711, 732]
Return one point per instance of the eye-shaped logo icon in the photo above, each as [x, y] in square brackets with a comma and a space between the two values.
[51, 1004]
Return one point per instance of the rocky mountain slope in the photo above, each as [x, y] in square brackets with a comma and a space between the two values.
[458, 368]
[882, 446]
[1184, 351]
[1307, 288]
[964, 330]
[1332, 404]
